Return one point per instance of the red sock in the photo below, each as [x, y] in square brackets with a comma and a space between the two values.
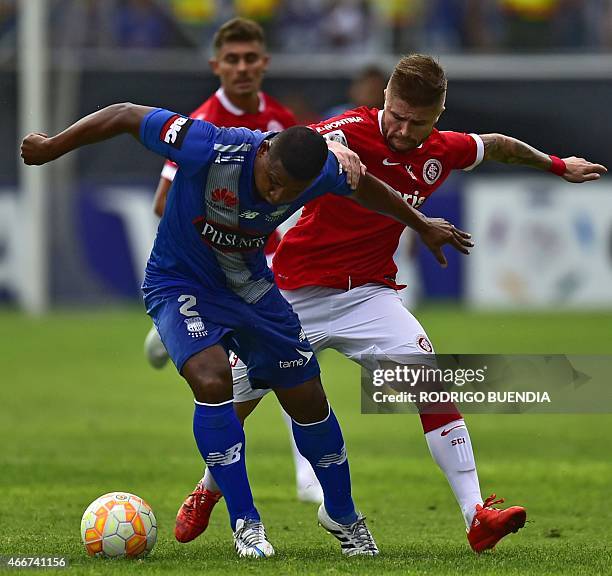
[435, 415]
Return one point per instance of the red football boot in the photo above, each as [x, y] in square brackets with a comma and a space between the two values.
[194, 514]
[490, 525]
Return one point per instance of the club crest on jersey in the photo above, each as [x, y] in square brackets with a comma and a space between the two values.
[432, 169]
[224, 197]
[424, 344]
[227, 239]
[195, 327]
[175, 129]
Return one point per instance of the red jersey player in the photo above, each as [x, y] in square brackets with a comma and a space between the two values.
[336, 267]
[240, 61]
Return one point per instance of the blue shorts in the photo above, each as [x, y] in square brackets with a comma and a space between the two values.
[267, 336]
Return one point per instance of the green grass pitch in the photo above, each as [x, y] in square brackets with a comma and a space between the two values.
[82, 414]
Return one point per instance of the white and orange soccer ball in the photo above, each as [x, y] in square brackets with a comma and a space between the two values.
[119, 524]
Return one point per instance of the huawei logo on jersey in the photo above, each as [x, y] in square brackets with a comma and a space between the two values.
[227, 239]
[225, 197]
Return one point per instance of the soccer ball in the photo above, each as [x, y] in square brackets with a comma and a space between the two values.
[118, 524]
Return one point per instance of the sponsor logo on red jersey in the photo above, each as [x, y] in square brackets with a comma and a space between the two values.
[338, 123]
[175, 129]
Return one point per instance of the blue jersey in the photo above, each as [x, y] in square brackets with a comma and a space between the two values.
[215, 224]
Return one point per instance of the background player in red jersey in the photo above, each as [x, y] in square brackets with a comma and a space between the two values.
[240, 61]
[347, 298]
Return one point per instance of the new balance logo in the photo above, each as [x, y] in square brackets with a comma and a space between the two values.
[230, 456]
[330, 459]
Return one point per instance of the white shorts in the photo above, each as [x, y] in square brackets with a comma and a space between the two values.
[359, 323]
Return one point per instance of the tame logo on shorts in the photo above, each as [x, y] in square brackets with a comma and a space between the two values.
[297, 362]
[228, 239]
[173, 132]
[195, 327]
[230, 456]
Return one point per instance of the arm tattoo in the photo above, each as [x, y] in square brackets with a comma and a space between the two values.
[512, 151]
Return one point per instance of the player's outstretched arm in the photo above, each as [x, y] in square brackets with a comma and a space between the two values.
[434, 232]
[38, 148]
[512, 151]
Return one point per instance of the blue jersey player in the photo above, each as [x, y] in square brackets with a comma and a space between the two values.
[208, 289]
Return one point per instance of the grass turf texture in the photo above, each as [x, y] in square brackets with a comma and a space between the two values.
[81, 414]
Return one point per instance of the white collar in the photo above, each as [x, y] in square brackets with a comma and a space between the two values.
[225, 102]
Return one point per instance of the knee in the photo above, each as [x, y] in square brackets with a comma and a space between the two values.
[210, 387]
[210, 382]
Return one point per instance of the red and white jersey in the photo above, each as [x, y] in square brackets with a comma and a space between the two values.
[271, 116]
[339, 244]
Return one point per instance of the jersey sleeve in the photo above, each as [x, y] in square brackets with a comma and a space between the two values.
[333, 178]
[169, 170]
[465, 151]
[187, 142]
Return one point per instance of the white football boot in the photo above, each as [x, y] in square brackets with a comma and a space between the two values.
[154, 349]
[250, 539]
[355, 539]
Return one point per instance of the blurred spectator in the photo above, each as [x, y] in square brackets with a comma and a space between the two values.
[262, 11]
[140, 24]
[401, 22]
[297, 26]
[336, 26]
[366, 89]
[455, 25]
[529, 24]
[346, 26]
[604, 24]
[8, 17]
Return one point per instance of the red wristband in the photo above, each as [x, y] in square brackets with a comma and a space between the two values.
[557, 167]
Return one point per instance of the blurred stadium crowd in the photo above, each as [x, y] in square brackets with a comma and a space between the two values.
[364, 26]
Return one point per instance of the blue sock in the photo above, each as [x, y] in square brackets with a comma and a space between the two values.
[220, 439]
[323, 446]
